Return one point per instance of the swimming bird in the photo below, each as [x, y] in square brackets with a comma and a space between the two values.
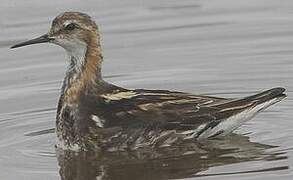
[93, 114]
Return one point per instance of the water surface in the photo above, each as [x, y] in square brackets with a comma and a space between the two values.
[217, 47]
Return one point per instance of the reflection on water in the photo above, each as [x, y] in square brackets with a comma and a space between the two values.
[188, 160]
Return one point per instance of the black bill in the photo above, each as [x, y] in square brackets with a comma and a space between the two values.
[42, 39]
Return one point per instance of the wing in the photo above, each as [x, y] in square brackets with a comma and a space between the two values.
[163, 109]
[174, 110]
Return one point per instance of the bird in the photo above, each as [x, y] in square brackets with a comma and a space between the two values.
[95, 115]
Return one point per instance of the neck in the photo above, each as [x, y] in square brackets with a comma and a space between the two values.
[84, 69]
[85, 60]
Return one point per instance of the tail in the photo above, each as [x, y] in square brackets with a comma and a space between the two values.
[235, 113]
[275, 93]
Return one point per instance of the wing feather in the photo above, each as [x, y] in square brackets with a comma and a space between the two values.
[162, 109]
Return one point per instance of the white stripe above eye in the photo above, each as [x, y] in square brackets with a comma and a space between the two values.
[67, 22]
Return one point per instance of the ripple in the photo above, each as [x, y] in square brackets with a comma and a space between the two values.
[281, 168]
[41, 132]
[168, 28]
[175, 7]
[34, 111]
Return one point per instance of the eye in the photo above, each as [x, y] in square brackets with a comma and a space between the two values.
[70, 27]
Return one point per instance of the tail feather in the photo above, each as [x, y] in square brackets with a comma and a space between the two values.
[235, 113]
[268, 95]
[254, 99]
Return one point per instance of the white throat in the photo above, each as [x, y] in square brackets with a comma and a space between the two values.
[76, 52]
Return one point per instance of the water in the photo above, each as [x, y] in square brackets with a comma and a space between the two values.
[217, 47]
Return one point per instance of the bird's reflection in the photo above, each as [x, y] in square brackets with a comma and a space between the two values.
[186, 160]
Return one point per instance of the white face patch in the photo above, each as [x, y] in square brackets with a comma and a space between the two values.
[99, 122]
[76, 50]
[73, 44]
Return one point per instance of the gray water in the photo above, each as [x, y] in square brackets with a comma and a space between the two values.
[218, 47]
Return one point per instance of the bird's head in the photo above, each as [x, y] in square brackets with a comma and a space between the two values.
[71, 30]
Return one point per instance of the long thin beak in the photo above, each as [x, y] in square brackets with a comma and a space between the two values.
[42, 39]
